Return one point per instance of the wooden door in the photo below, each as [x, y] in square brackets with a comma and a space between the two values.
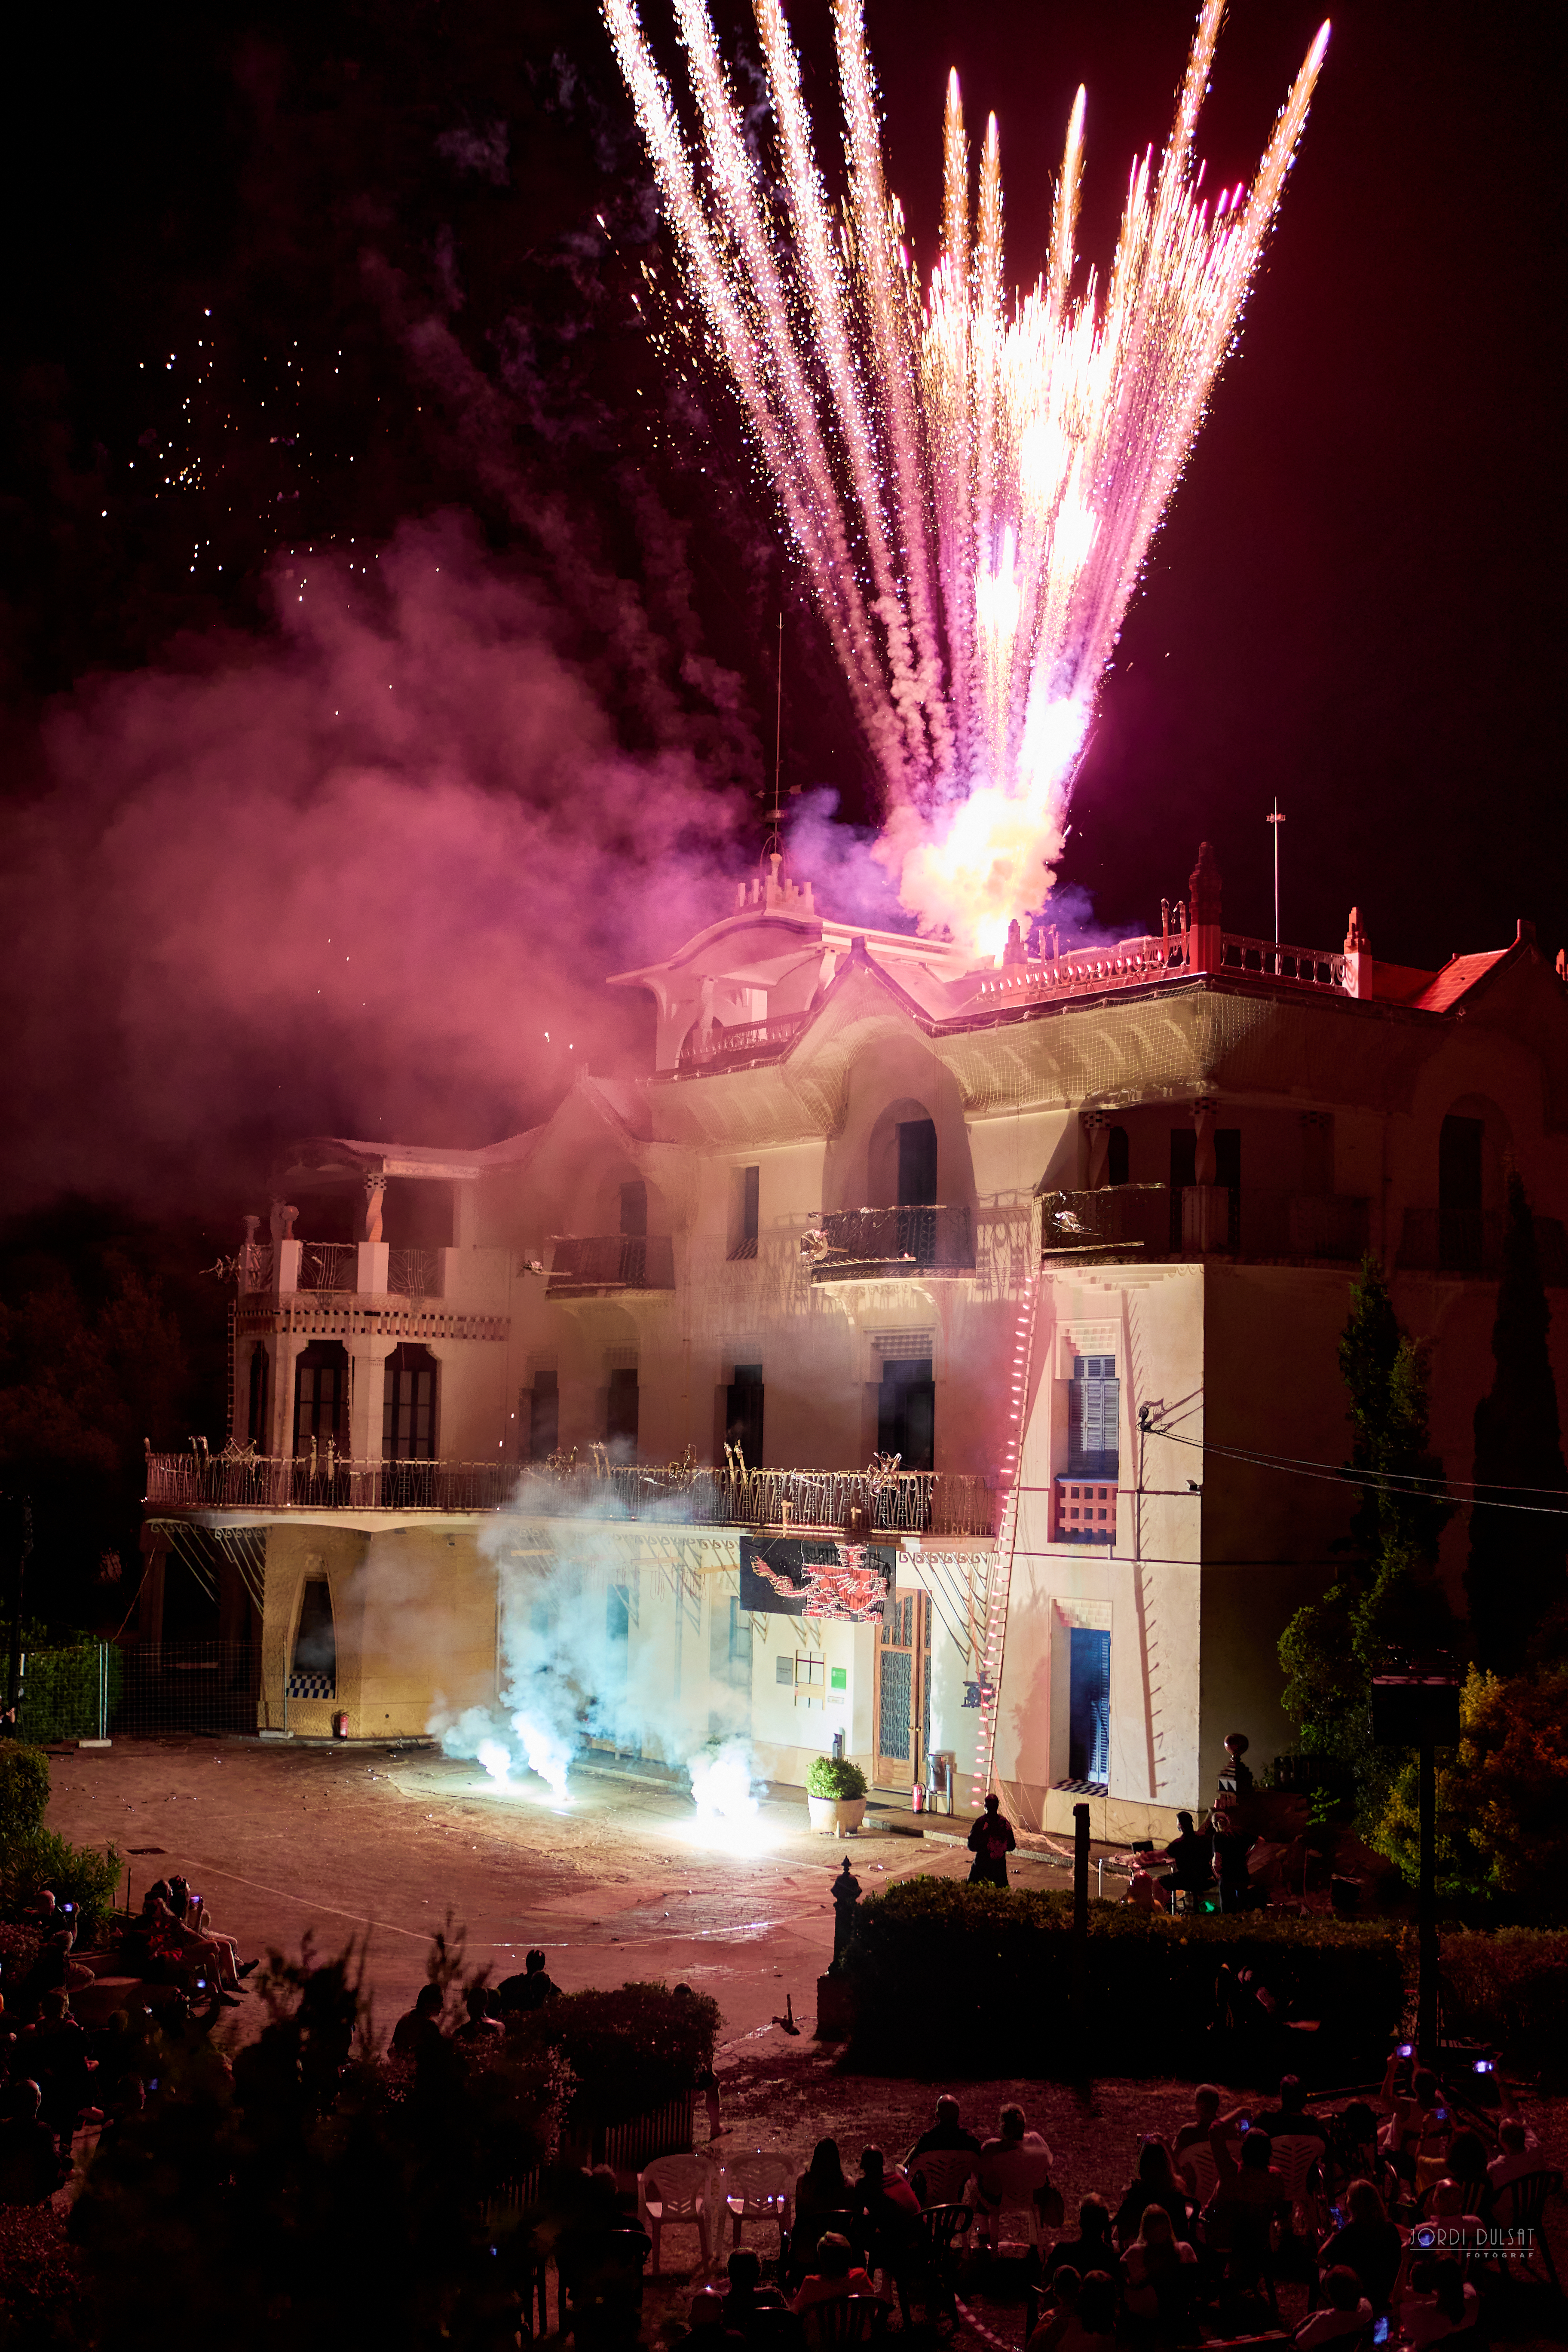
[903, 1696]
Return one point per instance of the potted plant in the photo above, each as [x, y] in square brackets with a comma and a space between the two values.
[835, 1795]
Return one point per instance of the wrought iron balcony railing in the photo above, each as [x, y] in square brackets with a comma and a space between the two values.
[744, 1041]
[850, 1243]
[1114, 1217]
[912, 1502]
[587, 1263]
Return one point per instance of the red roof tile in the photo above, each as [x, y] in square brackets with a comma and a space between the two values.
[1456, 979]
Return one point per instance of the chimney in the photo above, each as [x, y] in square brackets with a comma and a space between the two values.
[1358, 958]
[1525, 933]
[1202, 897]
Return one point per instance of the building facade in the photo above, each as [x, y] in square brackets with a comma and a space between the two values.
[882, 1362]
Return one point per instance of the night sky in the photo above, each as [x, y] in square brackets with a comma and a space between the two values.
[286, 287]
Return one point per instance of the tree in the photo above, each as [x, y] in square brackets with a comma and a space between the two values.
[1502, 1800]
[1515, 1582]
[1387, 1596]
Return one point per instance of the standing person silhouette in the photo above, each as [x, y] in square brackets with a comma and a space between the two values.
[991, 1841]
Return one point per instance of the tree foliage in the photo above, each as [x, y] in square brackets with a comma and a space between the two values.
[1387, 1596]
[1515, 1582]
[1502, 1800]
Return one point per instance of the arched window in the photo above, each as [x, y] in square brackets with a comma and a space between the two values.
[408, 1406]
[1460, 1222]
[313, 1670]
[255, 1413]
[322, 1394]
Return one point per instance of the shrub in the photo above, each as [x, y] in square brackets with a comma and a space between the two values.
[66, 1685]
[835, 1778]
[627, 2051]
[1511, 1989]
[24, 1792]
[1502, 1801]
[79, 1875]
[979, 1980]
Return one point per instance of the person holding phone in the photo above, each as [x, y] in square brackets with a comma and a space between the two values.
[1366, 2242]
[1435, 2300]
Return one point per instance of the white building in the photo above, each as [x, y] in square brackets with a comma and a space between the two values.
[1043, 1232]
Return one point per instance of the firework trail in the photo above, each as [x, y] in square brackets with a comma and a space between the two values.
[972, 484]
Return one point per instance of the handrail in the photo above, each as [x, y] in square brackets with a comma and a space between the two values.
[914, 1502]
[718, 1043]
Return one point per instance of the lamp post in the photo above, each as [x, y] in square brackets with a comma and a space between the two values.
[1276, 820]
[1419, 1707]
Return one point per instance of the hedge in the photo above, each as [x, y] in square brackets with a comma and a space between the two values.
[1511, 1989]
[628, 2051]
[960, 1979]
[32, 1857]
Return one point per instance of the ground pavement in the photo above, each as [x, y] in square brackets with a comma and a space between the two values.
[380, 1844]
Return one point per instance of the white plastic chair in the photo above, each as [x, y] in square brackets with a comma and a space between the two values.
[1020, 2171]
[677, 2192]
[1297, 2157]
[760, 2188]
[1201, 2173]
[941, 2175]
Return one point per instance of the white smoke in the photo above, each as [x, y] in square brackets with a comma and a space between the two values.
[576, 1664]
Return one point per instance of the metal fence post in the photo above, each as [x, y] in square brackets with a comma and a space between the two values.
[103, 1690]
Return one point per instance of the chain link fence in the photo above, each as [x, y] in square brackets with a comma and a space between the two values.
[101, 1690]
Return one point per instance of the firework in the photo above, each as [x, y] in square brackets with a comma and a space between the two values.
[971, 482]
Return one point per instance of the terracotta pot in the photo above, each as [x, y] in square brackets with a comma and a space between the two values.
[837, 1816]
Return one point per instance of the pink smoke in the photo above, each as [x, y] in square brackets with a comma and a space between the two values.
[349, 877]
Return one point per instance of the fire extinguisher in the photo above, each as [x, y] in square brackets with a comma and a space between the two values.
[341, 1725]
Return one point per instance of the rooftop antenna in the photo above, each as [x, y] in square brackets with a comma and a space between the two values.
[775, 843]
[1276, 820]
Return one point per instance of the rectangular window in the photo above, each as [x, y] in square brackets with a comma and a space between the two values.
[751, 1202]
[1460, 1224]
[621, 1419]
[917, 1163]
[1094, 1419]
[906, 1412]
[541, 1403]
[259, 1386]
[743, 1414]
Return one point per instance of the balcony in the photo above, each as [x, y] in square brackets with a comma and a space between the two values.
[866, 1245]
[1115, 1217]
[746, 1041]
[1083, 1511]
[331, 1269]
[598, 1266]
[1122, 1219]
[1435, 1241]
[908, 1502]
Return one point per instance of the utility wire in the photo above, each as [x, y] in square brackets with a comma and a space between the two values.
[1393, 1483]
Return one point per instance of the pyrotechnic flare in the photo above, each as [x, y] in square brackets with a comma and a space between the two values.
[972, 487]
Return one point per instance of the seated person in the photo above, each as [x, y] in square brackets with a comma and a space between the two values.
[1094, 2248]
[1519, 2152]
[481, 2031]
[1467, 2166]
[194, 1959]
[820, 2193]
[1451, 2206]
[531, 1991]
[946, 2137]
[1206, 2104]
[888, 2209]
[1093, 2327]
[707, 2329]
[1367, 2243]
[1015, 2168]
[1159, 2274]
[1191, 1858]
[418, 2026]
[1066, 2287]
[1155, 2183]
[1438, 2301]
[1249, 2198]
[1145, 1893]
[1418, 2127]
[1345, 2313]
[30, 2168]
[747, 2294]
[836, 2276]
[1289, 2120]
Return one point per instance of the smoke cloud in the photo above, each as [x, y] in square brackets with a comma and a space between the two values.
[364, 877]
[576, 1664]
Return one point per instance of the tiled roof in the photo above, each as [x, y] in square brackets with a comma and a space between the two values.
[1457, 977]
